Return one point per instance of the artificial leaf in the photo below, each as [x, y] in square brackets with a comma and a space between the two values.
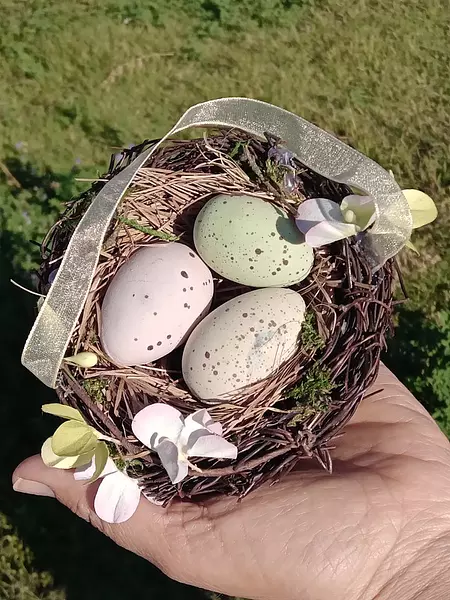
[73, 438]
[411, 246]
[423, 209]
[316, 210]
[203, 418]
[211, 446]
[326, 233]
[200, 419]
[86, 472]
[176, 468]
[362, 207]
[63, 462]
[65, 412]
[83, 359]
[101, 458]
[155, 422]
[197, 424]
[117, 498]
[322, 222]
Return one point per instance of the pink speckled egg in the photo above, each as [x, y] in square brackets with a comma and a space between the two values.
[154, 301]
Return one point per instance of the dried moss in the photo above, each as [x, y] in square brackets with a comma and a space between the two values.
[275, 172]
[237, 149]
[132, 467]
[95, 387]
[311, 394]
[310, 339]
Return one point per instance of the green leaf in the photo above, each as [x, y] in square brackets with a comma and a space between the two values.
[423, 209]
[101, 457]
[63, 462]
[411, 246]
[65, 412]
[73, 438]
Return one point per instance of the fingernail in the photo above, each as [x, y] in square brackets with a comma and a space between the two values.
[26, 486]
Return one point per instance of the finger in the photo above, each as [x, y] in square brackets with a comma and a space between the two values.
[147, 524]
[174, 538]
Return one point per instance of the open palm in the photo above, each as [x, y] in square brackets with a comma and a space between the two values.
[358, 534]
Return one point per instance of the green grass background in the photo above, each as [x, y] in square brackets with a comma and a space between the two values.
[79, 79]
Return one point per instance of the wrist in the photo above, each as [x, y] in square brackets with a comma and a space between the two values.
[425, 575]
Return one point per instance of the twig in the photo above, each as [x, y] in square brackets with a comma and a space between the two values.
[242, 467]
[107, 422]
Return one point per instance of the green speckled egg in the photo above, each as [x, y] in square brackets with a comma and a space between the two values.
[250, 241]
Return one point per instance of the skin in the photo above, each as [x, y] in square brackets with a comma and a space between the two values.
[378, 528]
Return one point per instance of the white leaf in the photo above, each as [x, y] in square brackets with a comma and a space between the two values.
[117, 498]
[322, 222]
[211, 446]
[155, 422]
[326, 233]
[199, 420]
[316, 210]
[176, 467]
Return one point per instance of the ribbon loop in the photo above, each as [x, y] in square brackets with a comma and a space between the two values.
[320, 151]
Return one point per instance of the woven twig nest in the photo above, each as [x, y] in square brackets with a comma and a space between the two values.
[289, 416]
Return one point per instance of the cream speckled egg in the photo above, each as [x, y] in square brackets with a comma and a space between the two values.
[153, 302]
[252, 242]
[243, 341]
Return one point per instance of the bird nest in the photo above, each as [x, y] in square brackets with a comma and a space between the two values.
[275, 423]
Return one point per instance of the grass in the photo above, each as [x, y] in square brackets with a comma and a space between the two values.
[79, 80]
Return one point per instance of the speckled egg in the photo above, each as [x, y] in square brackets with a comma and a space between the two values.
[252, 242]
[153, 302]
[243, 341]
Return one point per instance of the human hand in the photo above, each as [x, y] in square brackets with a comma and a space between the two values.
[379, 527]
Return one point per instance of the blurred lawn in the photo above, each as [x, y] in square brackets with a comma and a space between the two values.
[78, 80]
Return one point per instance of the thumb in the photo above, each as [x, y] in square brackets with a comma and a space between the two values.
[173, 539]
[32, 476]
[142, 534]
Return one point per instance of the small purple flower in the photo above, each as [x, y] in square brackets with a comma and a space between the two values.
[26, 217]
[19, 145]
[284, 158]
[281, 157]
[290, 182]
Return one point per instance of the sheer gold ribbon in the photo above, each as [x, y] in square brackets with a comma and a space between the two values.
[48, 340]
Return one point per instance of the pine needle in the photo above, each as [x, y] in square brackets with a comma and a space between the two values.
[148, 230]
